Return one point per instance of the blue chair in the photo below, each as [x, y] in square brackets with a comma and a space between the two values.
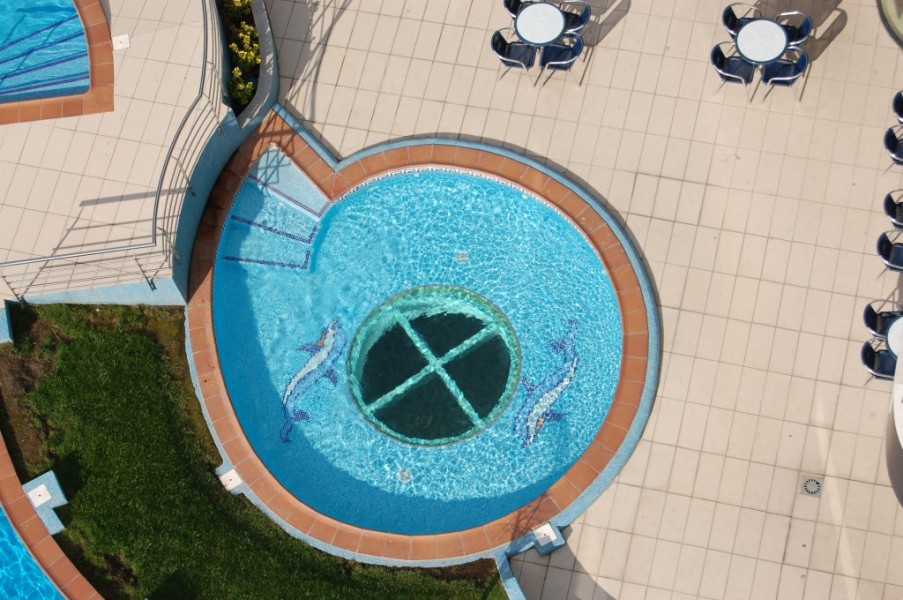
[880, 363]
[732, 68]
[515, 55]
[513, 7]
[893, 210]
[878, 321]
[562, 56]
[891, 253]
[786, 72]
[898, 106]
[796, 34]
[575, 21]
[893, 144]
[733, 22]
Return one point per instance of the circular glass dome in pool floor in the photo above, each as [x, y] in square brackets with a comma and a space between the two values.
[428, 354]
[434, 365]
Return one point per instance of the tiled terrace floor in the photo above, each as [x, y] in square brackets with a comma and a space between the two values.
[758, 222]
[88, 183]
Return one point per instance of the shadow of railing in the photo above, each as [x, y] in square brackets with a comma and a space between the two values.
[153, 258]
[320, 21]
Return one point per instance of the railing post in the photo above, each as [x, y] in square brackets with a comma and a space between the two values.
[219, 124]
[11, 288]
[149, 281]
[185, 174]
[172, 247]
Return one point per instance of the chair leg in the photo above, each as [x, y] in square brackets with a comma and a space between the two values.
[755, 89]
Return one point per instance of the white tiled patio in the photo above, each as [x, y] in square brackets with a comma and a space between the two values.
[758, 222]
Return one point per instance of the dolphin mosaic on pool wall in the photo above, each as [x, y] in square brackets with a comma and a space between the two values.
[320, 365]
[536, 410]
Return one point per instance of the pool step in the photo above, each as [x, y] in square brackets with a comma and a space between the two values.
[273, 230]
[278, 175]
[271, 263]
[274, 221]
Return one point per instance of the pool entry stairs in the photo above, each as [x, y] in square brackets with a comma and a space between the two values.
[273, 183]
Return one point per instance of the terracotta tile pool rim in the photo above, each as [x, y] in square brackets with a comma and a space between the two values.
[98, 98]
[34, 535]
[582, 482]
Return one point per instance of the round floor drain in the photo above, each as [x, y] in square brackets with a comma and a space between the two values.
[462, 257]
[405, 475]
[434, 365]
[812, 486]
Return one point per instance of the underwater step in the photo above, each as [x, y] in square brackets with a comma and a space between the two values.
[270, 263]
[273, 230]
[260, 205]
[275, 172]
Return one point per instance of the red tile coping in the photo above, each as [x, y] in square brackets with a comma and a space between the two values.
[43, 548]
[98, 98]
[276, 132]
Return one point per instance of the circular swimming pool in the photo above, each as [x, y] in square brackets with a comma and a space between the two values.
[430, 353]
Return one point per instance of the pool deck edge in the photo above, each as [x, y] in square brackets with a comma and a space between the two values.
[34, 535]
[336, 178]
[99, 97]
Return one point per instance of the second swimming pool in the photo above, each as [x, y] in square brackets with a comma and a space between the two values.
[43, 50]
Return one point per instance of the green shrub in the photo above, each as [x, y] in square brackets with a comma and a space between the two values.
[246, 48]
[238, 9]
[241, 89]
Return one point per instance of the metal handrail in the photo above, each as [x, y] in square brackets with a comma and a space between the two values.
[169, 153]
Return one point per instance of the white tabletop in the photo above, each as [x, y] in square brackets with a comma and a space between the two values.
[894, 332]
[539, 23]
[762, 41]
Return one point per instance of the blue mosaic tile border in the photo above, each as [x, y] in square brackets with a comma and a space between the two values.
[601, 483]
[6, 329]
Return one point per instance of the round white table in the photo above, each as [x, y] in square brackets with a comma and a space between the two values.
[539, 23]
[762, 41]
[894, 333]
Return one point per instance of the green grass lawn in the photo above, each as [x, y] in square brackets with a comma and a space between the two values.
[102, 397]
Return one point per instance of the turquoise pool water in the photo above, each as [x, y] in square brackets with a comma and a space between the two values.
[293, 283]
[20, 576]
[43, 50]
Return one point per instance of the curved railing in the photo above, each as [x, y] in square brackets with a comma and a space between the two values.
[152, 259]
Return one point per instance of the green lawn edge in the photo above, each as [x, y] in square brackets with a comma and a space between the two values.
[102, 395]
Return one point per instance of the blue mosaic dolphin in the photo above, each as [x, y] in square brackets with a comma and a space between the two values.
[536, 410]
[323, 356]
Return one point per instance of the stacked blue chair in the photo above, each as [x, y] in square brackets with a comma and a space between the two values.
[891, 252]
[786, 72]
[879, 362]
[733, 22]
[893, 143]
[878, 321]
[512, 54]
[799, 32]
[562, 56]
